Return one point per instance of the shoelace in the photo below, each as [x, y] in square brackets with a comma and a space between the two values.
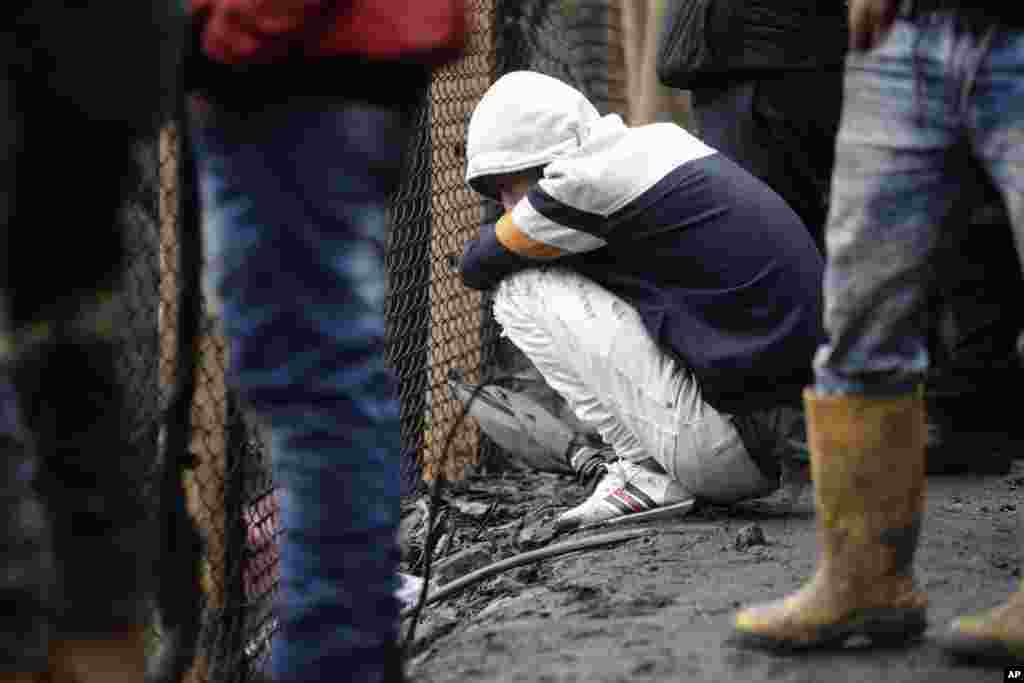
[591, 473]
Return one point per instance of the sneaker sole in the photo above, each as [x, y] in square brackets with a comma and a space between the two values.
[666, 511]
[979, 650]
[884, 628]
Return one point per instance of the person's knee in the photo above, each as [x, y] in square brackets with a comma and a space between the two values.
[515, 295]
[518, 307]
[718, 467]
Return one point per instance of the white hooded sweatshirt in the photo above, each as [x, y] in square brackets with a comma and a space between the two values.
[594, 165]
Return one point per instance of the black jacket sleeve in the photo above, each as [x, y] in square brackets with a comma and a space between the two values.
[710, 42]
[486, 261]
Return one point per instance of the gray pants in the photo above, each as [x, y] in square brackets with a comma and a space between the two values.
[593, 349]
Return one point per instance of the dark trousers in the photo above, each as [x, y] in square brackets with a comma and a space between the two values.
[781, 128]
[75, 528]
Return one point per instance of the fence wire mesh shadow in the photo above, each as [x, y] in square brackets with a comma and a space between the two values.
[434, 323]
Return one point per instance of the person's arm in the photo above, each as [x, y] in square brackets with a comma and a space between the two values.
[870, 21]
[486, 260]
[540, 229]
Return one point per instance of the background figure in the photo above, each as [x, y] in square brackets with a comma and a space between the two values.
[904, 151]
[81, 85]
[750, 66]
[299, 138]
[648, 100]
[972, 328]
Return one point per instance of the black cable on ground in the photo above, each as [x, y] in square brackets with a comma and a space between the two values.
[436, 490]
[526, 558]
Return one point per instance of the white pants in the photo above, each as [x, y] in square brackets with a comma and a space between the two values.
[593, 349]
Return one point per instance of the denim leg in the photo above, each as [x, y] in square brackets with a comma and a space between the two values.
[894, 184]
[295, 223]
[997, 120]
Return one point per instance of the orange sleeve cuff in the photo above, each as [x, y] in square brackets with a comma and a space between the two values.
[516, 241]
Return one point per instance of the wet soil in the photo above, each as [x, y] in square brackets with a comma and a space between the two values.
[658, 607]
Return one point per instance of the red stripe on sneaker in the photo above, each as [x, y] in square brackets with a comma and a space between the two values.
[618, 505]
[636, 491]
[634, 504]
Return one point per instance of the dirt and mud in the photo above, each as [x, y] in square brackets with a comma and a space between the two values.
[658, 607]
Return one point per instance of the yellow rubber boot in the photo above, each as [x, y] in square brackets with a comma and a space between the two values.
[868, 468]
[117, 658]
[995, 636]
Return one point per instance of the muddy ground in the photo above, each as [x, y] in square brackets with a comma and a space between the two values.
[658, 607]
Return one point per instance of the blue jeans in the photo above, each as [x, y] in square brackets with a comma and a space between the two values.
[919, 110]
[295, 200]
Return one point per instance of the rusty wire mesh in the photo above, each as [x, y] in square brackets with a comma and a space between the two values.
[434, 323]
[228, 489]
[437, 325]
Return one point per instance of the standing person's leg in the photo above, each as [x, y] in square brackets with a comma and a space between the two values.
[973, 335]
[28, 569]
[87, 471]
[893, 186]
[78, 454]
[295, 201]
[593, 349]
[91, 480]
[74, 407]
[27, 561]
[767, 127]
[798, 134]
[25, 539]
[996, 115]
[724, 118]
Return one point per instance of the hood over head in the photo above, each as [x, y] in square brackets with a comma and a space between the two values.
[524, 120]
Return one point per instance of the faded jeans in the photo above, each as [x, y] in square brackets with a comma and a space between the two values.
[932, 97]
[295, 201]
[593, 349]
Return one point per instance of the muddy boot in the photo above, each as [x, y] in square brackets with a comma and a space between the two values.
[867, 463]
[75, 408]
[995, 636]
[116, 657]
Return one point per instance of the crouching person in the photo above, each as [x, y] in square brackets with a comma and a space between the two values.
[668, 295]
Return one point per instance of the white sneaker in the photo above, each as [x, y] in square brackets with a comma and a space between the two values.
[409, 588]
[629, 489]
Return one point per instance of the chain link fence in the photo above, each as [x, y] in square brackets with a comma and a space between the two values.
[435, 325]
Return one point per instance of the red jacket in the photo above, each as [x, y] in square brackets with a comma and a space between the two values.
[240, 32]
